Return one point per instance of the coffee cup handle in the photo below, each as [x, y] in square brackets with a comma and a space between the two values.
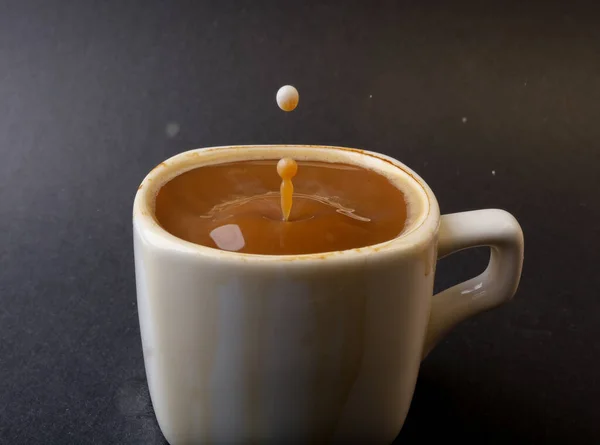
[496, 285]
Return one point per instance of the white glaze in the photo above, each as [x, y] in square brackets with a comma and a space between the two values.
[321, 348]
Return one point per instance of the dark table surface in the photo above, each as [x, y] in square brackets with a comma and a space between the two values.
[495, 107]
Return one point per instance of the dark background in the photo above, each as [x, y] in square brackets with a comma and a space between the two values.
[94, 94]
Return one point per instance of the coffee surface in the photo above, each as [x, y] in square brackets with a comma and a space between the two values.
[237, 207]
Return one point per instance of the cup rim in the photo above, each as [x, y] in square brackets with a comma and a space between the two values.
[145, 223]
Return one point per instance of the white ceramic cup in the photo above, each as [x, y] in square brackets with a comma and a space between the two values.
[319, 348]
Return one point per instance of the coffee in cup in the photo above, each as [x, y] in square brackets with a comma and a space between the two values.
[238, 207]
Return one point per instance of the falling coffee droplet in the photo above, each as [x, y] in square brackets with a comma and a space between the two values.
[286, 169]
[287, 98]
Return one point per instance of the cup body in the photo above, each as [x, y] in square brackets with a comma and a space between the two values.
[320, 348]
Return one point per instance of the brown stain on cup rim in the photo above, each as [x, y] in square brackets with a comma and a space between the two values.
[158, 167]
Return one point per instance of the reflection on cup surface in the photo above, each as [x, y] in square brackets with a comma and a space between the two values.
[228, 237]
